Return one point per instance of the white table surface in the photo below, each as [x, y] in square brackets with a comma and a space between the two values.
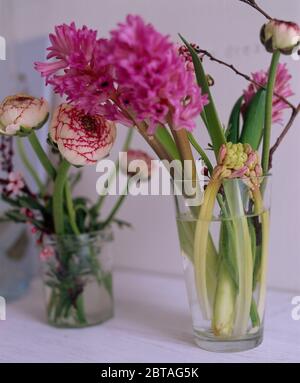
[151, 324]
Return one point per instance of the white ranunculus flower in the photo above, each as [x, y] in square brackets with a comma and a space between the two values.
[81, 139]
[21, 113]
[280, 35]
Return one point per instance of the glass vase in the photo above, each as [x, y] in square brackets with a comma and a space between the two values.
[17, 266]
[77, 274]
[224, 246]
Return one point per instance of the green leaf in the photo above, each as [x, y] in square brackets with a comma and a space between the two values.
[210, 115]
[202, 153]
[233, 130]
[10, 201]
[165, 138]
[15, 216]
[254, 121]
[30, 203]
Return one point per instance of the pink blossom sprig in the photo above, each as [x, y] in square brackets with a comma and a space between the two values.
[15, 184]
[6, 154]
[282, 88]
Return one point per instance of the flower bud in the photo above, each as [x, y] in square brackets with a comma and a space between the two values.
[238, 161]
[82, 139]
[21, 113]
[280, 35]
[136, 162]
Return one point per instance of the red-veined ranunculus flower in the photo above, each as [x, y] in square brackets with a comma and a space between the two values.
[21, 113]
[82, 139]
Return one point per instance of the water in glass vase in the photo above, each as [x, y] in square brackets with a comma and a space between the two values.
[225, 265]
[77, 273]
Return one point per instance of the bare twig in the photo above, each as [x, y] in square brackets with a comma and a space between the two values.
[245, 76]
[254, 5]
[293, 117]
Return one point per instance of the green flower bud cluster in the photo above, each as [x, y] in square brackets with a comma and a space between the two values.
[237, 160]
[235, 156]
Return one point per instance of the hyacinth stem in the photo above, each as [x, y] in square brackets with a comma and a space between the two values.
[259, 209]
[183, 144]
[224, 307]
[71, 210]
[268, 111]
[42, 156]
[244, 258]
[157, 147]
[58, 194]
[29, 167]
[201, 244]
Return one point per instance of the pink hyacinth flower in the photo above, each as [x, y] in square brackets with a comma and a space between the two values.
[15, 183]
[282, 88]
[153, 82]
[77, 70]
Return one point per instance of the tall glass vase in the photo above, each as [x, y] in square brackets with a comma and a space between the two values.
[77, 273]
[224, 246]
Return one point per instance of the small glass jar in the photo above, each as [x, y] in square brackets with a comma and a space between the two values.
[77, 274]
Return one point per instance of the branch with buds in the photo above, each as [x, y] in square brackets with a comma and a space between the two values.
[254, 5]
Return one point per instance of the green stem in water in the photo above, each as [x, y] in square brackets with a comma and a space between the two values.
[201, 243]
[29, 167]
[42, 156]
[71, 210]
[259, 209]
[58, 193]
[255, 319]
[80, 310]
[244, 258]
[224, 308]
[268, 111]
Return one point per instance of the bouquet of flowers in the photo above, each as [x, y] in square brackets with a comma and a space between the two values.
[139, 78]
[71, 230]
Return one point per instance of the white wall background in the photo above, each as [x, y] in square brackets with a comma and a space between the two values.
[229, 29]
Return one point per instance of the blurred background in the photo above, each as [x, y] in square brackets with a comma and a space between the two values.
[230, 30]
